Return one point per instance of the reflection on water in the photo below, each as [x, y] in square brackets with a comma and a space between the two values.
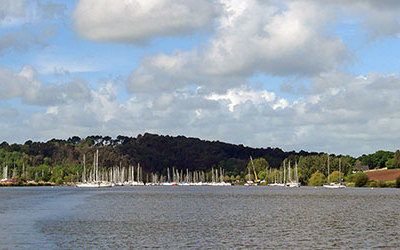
[199, 217]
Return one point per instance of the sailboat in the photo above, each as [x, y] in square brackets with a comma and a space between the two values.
[168, 182]
[280, 184]
[293, 183]
[334, 185]
[139, 174]
[249, 181]
[5, 173]
[94, 181]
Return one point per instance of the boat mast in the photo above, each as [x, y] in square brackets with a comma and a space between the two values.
[328, 170]
[254, 169]
[5, 172]
[284, 172]
[340, 170]
[249, 174]
[97, 165]
[84, 168]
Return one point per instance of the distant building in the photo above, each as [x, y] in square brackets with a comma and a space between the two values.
[361, 168]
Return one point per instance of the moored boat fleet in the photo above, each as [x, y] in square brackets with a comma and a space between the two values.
[281, 178]
[334, 185]
[133, 176]
[94, 177]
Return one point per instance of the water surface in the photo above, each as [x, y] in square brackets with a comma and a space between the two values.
[199, 217]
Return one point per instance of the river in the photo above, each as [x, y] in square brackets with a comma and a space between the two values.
[199, 217]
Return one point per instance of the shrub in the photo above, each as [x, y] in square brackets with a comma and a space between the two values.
[335, 176]
[391, 184]
[360, 179]
[398, 182]
[381, 184]
[372, 184]
[316, 179]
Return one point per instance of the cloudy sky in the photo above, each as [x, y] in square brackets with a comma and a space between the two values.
[296, 74]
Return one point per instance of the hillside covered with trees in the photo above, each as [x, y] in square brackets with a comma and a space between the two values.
[61, 161]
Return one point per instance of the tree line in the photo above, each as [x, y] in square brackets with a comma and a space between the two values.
[61, 160]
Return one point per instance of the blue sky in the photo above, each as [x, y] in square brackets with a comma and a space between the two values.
[296, 74]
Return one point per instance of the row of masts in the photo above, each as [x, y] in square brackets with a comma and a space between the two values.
[13, 173]
[179, 176]
[285, 174]
[117, 175]
[133, 175]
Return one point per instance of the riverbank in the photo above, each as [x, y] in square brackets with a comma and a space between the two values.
[370, 184]
[13, 183]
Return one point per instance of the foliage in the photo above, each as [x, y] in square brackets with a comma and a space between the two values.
[382, 184]
[396, 159]
[259, 166]
[262, 175]
[316, 179]
[61, 160]
[360, 179]
[312, 163]
[335, 176]
[393, 162]
[377, 159]
[398, 182]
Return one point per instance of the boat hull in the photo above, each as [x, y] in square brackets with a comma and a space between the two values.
[334, 186]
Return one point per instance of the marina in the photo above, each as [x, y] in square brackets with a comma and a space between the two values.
[199, 124]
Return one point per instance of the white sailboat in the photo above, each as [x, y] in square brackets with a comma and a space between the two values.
[5, 173]
[95, 180]
[249, 181]
[280, 183]
[295, 182]
[334, 185]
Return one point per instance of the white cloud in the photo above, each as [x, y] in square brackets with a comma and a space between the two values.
[293, 38]
[11, 11]
[26, 86]
[17, 12]
[23, 25]
[23, 39]
[205, 91]
[360, 116]
[378, 18]
[137, 21]
[251, 37]
[238, 96]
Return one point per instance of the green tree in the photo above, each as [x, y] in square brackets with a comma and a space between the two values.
[390, 163]
[396, 159]
[57, 174]
[227, 178]
[335, 176]
[360, 179]
[262, 175]
[316, 179]
[258, 165]
[377, 159]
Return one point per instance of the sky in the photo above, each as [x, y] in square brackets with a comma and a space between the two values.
[296, 74]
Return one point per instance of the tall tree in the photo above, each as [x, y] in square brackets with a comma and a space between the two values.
[396, 162]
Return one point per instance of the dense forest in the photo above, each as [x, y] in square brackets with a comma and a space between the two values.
[61, 160]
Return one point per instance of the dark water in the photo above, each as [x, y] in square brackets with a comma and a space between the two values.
[199, 217]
